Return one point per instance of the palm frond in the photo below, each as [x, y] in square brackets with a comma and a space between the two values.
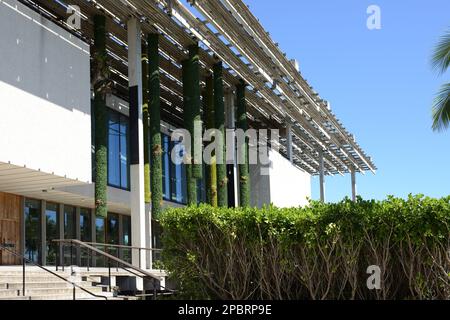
[441, 109]
[441, 57]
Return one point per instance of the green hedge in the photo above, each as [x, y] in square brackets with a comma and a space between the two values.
[318, 252]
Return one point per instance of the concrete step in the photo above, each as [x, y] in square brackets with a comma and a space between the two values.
[54, 297]
[39, 292]
[40, 278]
[43, 284]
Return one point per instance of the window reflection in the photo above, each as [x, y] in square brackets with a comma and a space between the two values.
[32, 230]
[118, 150]
[174, 172]
[52, 233]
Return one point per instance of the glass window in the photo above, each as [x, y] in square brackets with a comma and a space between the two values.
[174, 174]
[85, 233]
[100, 238]
[69, 222]
[126, 240]
[178, 175]
[114, 149]
[52, 233]
[100, 230]
[201, 190]
[85, 225]
[32, 230]
[118, 150]
[69, 233]
[112, 233]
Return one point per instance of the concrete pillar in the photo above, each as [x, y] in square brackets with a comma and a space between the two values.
[290, 153]
[354, 191]
[322, 176]
[78, 235]
[138, 213]
[43, 248]
[230, 125]
[60, 220]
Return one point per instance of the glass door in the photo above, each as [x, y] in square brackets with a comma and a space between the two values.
[85, 233]
[126, 240]
[32, 217]
[52, 233]
[112, 234]
[100, 238]
[69, 234]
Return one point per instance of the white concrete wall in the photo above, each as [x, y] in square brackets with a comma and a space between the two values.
[285, 186]
[44, 95]
[289, 186]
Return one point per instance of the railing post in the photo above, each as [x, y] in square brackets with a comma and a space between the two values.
[88, 258]
[140, 267]
[74, 294]
[155, 296]
[109, 274]
[23, 276]
[63, 263]
[57, 259]
[71, 252]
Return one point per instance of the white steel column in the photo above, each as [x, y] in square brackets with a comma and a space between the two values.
[322, 176]
[290, 153]
[354, 191]
[230, 124]
[138, 214]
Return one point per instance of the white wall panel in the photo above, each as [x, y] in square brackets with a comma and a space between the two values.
[289, 186]
[45, 120]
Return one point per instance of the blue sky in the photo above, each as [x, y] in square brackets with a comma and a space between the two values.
[379, 82]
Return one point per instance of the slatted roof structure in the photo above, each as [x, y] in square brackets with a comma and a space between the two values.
[226, 29]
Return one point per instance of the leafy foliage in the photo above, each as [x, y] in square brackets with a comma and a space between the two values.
[441, 106]
[318, 252]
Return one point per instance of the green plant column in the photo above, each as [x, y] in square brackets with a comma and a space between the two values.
[208, 116]
[100, 75]
[155, 125]
[146, 124]
[241, 123]
[197, 154]
[188, 124]
[219, 105]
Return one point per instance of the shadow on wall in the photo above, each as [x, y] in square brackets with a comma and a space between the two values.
[43, 59]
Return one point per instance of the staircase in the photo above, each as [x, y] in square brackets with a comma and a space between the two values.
[41, 285]
[74, 283]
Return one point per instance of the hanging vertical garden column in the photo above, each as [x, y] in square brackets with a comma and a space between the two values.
[100, 75]
[188, 124]
[197, 144]
[155, 125]
[146, 123]
[241, 123]
[208, 116]
[138, 214]
[219, 105]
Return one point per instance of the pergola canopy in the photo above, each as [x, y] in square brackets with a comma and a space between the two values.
[277, 94]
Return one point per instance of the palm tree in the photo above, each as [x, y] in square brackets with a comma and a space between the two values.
[441, 106]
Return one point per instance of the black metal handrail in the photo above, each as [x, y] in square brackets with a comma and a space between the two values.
[25, 261]
[119, 247]
[118, 263]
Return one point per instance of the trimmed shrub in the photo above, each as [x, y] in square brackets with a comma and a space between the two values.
[322, 251]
